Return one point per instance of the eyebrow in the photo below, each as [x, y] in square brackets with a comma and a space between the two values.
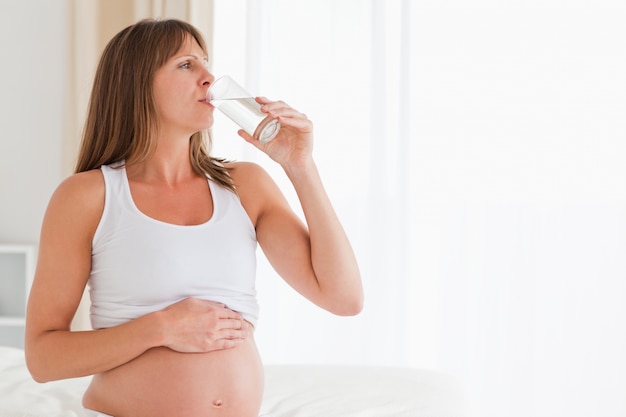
[196, 57]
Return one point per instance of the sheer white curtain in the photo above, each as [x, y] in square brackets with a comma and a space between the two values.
[474, 151]
[346, 71]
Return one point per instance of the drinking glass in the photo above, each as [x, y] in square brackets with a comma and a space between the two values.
[236, 103]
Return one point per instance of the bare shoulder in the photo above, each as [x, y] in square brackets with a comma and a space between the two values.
[256, 189]
[246, 173]
[84, 187]
[79, 198]
[251, 179]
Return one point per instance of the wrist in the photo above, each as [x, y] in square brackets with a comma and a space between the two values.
[155, 327]
[301, 168]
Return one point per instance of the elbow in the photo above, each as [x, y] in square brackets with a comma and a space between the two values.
[37, 368]
[40, 375]
[349, 306]
[39, 378]
[348, 312]
[355, 308]
[36, 371]
[342, 300]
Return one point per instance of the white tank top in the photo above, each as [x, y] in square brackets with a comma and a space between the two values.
[141, 265]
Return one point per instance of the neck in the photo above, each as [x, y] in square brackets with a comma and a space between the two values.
[168, 164]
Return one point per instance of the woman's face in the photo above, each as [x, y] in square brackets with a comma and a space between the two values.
[179, 89]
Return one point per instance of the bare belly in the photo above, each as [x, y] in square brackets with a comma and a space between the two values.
[164, 383]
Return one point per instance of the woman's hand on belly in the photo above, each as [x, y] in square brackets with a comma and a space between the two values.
[196, 326]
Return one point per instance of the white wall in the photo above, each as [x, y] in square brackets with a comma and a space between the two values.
[33, 47]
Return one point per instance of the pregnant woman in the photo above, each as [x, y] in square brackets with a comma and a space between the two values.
[165, 235]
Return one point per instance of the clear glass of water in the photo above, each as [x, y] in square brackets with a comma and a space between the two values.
[236, 103]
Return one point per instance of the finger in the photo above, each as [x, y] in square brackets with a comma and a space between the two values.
[234, 334]
[247, 137]
[232, 320]
[301, 124]
[283, 112]
[229, 324]
[229, 343]
[266, 101]
[279, 108]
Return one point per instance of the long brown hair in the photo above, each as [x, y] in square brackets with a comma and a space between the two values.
[121, 120]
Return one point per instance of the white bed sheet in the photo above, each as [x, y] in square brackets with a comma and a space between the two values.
[290, 391]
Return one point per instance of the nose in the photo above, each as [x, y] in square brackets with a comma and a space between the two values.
[207, 78]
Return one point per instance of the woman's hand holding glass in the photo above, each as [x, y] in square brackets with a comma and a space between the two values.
[294, 142]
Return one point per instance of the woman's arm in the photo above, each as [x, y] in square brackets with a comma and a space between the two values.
[63, 266]
[316, 259]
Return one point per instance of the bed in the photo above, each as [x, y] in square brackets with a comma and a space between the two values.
[291, 391]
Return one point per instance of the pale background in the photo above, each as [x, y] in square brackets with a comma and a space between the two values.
[474, 150]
